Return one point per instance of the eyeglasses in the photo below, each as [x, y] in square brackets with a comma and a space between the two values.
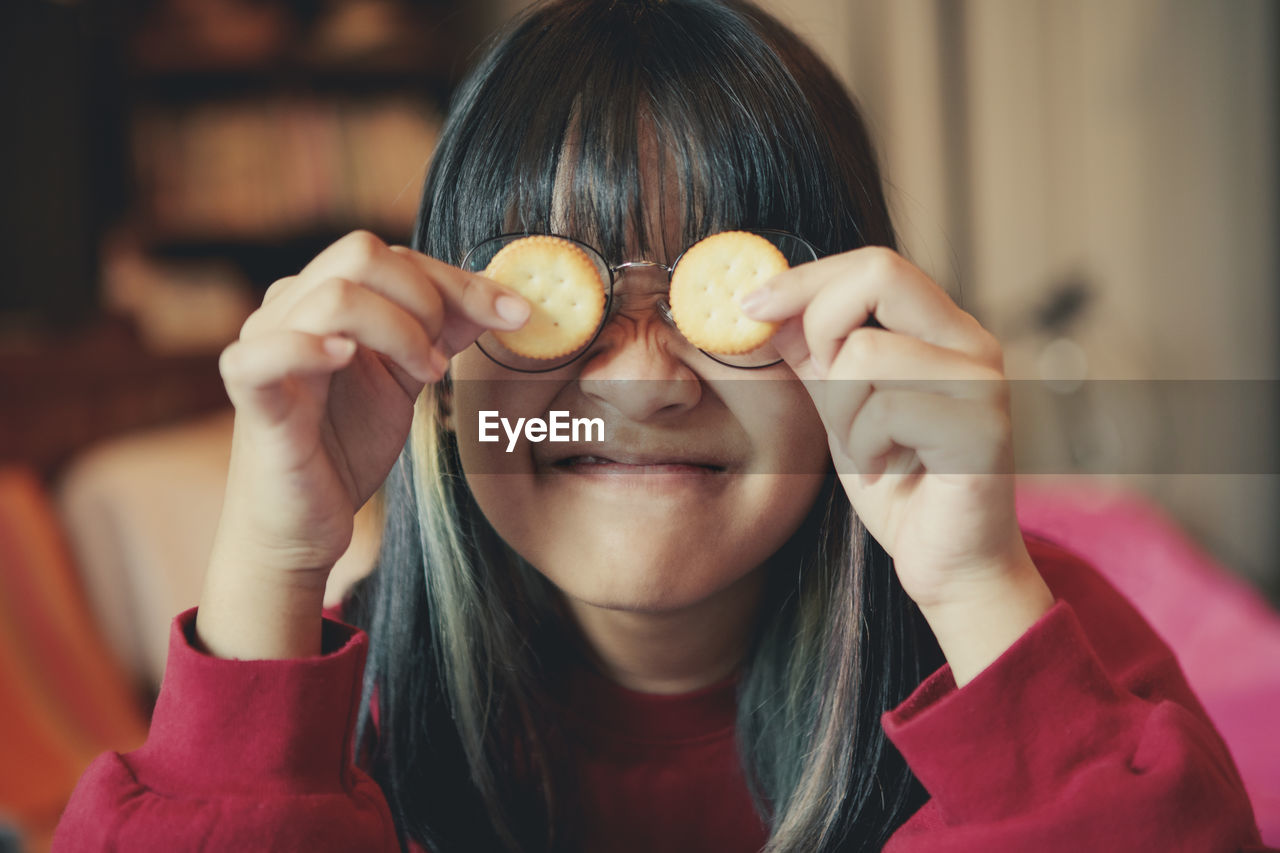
[795, 249]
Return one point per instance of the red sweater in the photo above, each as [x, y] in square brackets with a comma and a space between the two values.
[1082, 735]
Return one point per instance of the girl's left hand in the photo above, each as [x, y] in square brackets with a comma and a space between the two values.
[917, 416]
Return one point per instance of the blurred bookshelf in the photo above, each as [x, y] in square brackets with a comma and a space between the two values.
[198, 150]
[233, 178]
[262, 132]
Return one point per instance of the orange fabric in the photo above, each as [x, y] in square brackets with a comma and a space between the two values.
[63, 698]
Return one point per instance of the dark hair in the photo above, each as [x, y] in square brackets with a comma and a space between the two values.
[467, 638]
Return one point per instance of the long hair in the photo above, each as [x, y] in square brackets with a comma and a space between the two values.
[469, 641]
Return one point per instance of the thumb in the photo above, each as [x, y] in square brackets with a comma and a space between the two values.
[472, 302]
[790, 342]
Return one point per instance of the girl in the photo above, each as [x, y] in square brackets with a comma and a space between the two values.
[703, 632]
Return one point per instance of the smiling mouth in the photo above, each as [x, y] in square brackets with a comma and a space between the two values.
[588, 463]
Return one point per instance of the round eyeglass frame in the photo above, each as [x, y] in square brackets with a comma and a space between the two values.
[615, 270]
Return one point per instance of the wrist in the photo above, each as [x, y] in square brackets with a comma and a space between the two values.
[978, 624]
[303, 556]
[251, 613]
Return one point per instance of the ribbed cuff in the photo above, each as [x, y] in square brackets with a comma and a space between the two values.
[261, 727]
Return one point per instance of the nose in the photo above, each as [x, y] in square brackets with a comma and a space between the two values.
[636, 367]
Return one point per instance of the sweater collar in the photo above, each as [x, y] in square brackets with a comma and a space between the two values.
[609, 708]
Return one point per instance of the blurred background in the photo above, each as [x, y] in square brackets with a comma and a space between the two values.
[1095, 180]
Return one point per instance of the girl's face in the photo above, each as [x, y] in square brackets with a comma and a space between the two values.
[713, 468]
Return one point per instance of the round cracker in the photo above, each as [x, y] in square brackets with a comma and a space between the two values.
[563, 287]
[707, 283]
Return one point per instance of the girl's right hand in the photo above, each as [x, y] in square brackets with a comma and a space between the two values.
[323, 380]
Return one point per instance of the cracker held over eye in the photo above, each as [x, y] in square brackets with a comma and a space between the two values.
[708, 281]
[563, 287]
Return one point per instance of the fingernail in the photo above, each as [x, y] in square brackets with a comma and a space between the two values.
[339, 347]
[511, 308]
[756, 299]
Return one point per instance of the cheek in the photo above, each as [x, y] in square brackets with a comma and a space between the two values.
[803, 447]
[791, 457]
[500, 481]
[783, 425]
[481, 386]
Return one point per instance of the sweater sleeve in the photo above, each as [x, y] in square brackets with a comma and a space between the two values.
[241, 755]
[1083, 735]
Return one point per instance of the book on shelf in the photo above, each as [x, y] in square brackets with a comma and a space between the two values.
[257, 170]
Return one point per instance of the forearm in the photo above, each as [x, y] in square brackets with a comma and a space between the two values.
[976, 628]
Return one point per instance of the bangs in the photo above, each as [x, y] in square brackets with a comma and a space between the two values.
[582, 107]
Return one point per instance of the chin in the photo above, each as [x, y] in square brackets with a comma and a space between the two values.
[636, 586]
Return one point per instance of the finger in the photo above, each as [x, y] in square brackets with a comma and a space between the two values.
[454, 307]
[950, 437]
[255, 370]
[338, 306]
[873, 359]
[363, 258]
[876, 358]
[843, 292]
[472, 302]
[278, 288]
[790, 343]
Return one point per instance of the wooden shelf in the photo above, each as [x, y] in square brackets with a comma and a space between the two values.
[186, 84]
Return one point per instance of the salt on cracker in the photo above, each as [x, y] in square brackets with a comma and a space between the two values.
[708, 281]
[562, 285]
